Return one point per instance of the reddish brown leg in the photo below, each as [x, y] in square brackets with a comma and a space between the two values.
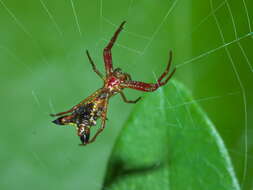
[62, 113]
[149, 87]
[103, 118]
[94, 66]
[128, 101]
[98, 131]
[107, 50]
[167, 68]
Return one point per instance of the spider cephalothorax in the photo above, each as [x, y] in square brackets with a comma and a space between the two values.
[85, 114]
[115, 80]
[121, 75]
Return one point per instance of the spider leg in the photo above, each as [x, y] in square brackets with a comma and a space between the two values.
[81, 103]
[128, 101]
[167, 68]
[94, 66]
[147, 87]
[128, 76]
[103, 117]
[107, 51]
[150, 87]
[62, 113]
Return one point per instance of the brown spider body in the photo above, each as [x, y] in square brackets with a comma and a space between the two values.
[85, 114]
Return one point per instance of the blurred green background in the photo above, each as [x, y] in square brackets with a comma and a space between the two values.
[44, 70]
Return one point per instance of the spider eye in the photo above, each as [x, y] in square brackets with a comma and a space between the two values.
[118, 70]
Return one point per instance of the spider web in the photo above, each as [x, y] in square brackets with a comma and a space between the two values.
[40, 67]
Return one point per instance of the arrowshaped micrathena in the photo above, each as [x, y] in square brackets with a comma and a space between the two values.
[85, 114]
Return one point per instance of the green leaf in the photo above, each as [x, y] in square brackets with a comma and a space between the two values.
[169, 143]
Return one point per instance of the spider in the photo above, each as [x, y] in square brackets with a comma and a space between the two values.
[85, 114]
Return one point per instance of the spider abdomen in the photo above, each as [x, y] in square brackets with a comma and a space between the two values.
[87, 115]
